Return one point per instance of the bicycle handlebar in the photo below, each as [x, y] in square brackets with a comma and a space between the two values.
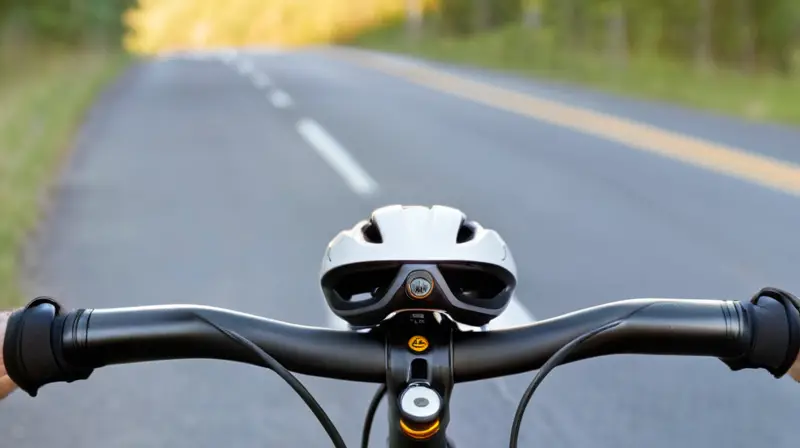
[124, 335]
[743, 335]
[650, 326]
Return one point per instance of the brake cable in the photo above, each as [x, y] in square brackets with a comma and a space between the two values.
[554, 361]
[271, 363]
[371, 410]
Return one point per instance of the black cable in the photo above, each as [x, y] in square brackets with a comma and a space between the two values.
[558, 357]
[373, 407]
[287, 376]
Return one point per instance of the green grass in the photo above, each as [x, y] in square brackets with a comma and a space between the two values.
[764, 97]
[43, 99]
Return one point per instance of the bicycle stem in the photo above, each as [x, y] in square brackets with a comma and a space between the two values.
[419, 354]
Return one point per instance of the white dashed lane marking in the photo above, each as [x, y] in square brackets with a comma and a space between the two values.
[280, 99]
[337, 157]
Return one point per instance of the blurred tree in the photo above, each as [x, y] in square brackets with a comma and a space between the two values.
[749, 35]
[702, 52]
[68, 22]
[617, 33]
[744, 23]
[741, 34]
[414, 14]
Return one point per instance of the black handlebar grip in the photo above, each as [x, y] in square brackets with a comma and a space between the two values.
[33, 347]
[774, 319]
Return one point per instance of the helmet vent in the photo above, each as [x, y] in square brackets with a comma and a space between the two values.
[471, 282]
[466, 232]
[371, 233]
[365, 284]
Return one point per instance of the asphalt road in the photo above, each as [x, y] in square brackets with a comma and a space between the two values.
[193, 183]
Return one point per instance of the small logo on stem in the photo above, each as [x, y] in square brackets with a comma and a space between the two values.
[418, 344]
[419, 285]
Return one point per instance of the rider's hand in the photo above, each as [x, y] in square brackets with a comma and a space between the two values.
[6, 385]
[794, 371]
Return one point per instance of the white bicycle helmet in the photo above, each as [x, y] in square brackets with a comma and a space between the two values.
[415, 257]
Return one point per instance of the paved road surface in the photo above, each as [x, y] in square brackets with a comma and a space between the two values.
[193, 183]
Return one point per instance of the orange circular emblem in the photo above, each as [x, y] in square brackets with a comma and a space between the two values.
[418, 344]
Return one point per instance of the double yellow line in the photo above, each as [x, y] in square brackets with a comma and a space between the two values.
[766, 171]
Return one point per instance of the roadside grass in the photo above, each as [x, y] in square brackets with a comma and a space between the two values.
[761, 97]
[43, 98]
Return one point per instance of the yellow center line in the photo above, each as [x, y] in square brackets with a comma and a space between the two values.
[766, 171]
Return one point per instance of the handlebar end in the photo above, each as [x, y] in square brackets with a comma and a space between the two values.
[774, 333]
[33, 347]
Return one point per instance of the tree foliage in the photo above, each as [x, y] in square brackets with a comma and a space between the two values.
[744, 34]
[741, 34]
[71, 22]
[164, 24]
